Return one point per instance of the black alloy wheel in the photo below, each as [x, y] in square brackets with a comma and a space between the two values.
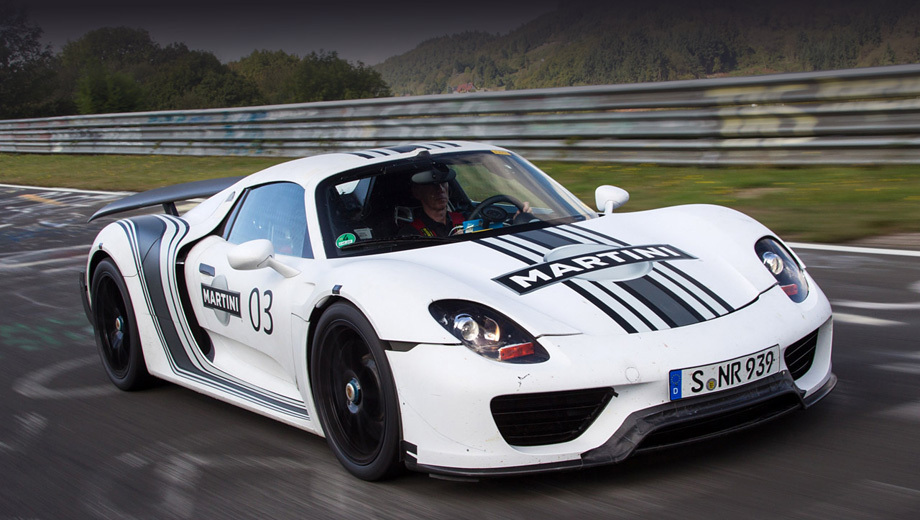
[116, 329]
[354, 394]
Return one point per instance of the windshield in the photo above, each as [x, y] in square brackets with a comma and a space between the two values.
[445, 198]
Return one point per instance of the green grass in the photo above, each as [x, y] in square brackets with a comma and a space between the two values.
[122, 172]
[824, 204]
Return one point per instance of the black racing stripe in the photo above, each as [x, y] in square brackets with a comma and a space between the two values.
[597, 234]
[571, 285]
[665, 301]
[521, 246]
[676, 270]
[622, 302]
[600, 305]
[545, 239]
[403, 149]
[705, 289]
[589, 240]
[691, 293]
[512, 254]
[362, 155]
[448, 143]
[663, 307]
[437, 145]
[695, 282]
[381, 152]
[551, 241]
[680, 301]
[127, 229]
[150, 229]
[686, 314]
[636, 290]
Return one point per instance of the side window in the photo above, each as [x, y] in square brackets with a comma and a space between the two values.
[275, 212]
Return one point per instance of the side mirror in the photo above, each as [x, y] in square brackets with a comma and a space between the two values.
[609, 198]
[257, 254]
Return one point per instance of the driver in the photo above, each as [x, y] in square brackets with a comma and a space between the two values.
[434, 219]
[430, 187]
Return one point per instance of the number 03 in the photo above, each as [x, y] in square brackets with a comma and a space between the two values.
[256, 310]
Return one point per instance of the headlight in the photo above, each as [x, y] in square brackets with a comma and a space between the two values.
[781, 264]
[487, 332]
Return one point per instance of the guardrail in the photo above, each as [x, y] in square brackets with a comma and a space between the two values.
[856, 116]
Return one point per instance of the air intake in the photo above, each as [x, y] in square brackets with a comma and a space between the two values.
[800, 355]
[548, 418]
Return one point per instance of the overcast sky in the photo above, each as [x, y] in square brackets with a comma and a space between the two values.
[359, 31]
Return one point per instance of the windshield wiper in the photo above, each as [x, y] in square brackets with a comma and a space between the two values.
[400, 239]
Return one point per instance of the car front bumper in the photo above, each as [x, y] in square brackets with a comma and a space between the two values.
[669, 425]
[447, 392]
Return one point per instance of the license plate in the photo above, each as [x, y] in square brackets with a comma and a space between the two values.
[690, 382]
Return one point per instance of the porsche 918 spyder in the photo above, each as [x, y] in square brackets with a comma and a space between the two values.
[449, 308]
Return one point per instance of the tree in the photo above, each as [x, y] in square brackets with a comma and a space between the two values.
[121, 70]
[102, 91]
[187, 79]
[114, 48]
[326, 77]
[273, 72]
[108, 69]
[26, 74]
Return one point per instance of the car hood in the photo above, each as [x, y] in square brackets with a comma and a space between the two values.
[620, 274]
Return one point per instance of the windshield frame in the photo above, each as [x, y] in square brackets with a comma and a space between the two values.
[576, 210]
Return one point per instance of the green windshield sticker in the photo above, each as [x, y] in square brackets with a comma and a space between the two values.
[344, 240]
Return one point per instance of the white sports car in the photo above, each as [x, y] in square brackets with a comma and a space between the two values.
[449, 308]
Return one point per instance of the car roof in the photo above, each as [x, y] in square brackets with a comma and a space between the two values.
[309, 171]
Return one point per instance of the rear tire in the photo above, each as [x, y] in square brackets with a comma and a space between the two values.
[354, 394]
[116, 329]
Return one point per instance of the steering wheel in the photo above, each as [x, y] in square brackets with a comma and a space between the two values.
[489, 212]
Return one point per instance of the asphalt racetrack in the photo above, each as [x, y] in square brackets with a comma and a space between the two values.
[72, 446]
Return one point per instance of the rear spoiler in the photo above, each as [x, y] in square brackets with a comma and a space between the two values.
[167, 196]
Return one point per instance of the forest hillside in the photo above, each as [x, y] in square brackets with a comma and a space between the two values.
[626, 42]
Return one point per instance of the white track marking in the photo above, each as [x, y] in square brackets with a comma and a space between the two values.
[910, 365]
[909, 412]
[853, 249]
[66, 190]
[179, 473]
[874, 306]
[34, 385]
[904, 368]
[57, 255]
[865, 499]
[36, 302]
[28, 427]
[856, 319]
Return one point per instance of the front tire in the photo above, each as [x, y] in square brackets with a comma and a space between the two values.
[116, 329]
[354, 394]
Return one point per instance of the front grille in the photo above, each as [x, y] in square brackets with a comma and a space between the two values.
[547, 418]
[800, 355]
[705, 427]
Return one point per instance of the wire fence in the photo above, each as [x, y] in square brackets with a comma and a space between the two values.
[856, 116]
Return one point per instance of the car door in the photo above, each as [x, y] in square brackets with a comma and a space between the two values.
[247, 312]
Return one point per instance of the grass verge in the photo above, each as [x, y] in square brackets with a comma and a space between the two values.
[820, 204]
